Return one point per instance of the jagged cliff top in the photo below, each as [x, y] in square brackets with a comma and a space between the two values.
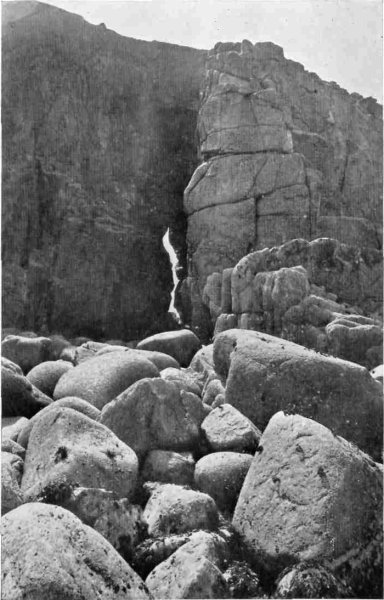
[16, 11]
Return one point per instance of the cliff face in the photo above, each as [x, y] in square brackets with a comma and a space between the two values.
[285, 155]
[98, 146]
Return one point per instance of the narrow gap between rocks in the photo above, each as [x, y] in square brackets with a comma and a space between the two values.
[174, 263]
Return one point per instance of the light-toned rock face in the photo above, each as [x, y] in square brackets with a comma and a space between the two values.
[182, 345]
[285, 155]
[100, 379]
[11, 470]
[174, 509]
[227, 429]
[45, 375]
[95, 176]
[48, 553]
[266, 374]
[193, 571]
[310, 495]
[155, 414]
[221, 475]
[169, 467]
[312, 293]
[66, 447]
[118, 521]
[70, 402]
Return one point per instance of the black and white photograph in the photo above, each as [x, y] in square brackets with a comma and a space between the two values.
[192, 299]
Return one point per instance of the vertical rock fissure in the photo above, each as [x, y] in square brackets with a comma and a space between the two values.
[174, 263]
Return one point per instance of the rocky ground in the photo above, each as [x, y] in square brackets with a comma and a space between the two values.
[247, 468]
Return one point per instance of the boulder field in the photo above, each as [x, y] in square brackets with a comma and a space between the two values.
[241, 455]
[251, 472]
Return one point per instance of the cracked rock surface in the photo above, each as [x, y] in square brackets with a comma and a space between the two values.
[284, 155]
[310, 494]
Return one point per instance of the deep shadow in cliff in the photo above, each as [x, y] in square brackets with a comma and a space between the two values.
[98, 146]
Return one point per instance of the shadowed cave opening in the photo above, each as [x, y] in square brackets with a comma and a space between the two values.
[174, 264]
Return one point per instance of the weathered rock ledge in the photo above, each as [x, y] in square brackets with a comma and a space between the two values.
[285, 156]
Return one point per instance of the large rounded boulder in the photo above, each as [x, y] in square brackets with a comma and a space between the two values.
[18, 396]
[181, 344]
[221, 475]
[311, 495]
[26, 352]
[265, 374]
[100, 379]
[154, 414]
[46, 375]
[67, 447]
[47, 552]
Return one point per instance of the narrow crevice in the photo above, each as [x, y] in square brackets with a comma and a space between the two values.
[174, 265]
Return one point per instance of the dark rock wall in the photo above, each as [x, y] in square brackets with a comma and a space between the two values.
[98, 146]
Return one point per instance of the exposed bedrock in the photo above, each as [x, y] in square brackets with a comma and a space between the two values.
[285, 155]
[98, 146]
[316, 293]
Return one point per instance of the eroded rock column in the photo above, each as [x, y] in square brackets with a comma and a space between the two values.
[251, 190]
[285, 156]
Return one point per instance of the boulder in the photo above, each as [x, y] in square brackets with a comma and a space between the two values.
[78, 404]
[188, 378]
[153, 551]
[192, 571]
[59, 344]
[181, 344]
[65, 446]
[159, 359]
[11, 366]
[266, 374]
[49, 553]
[71, 402]
[87, 503]
[12, 426]
[212, 389]
[123, 526]
[175, 509]
[46, 375]
[118, 521]
[154, 414]
[227, 429]
[18, 396]
[168, 467]
[311, 495]
[218, 401]
[310, 579]
[102, 378]
[351, 341]
[26, 352]
[8, 445]
[11, 471]
[221, 475]
[69, 355]
[242, 581]
[203, 364]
